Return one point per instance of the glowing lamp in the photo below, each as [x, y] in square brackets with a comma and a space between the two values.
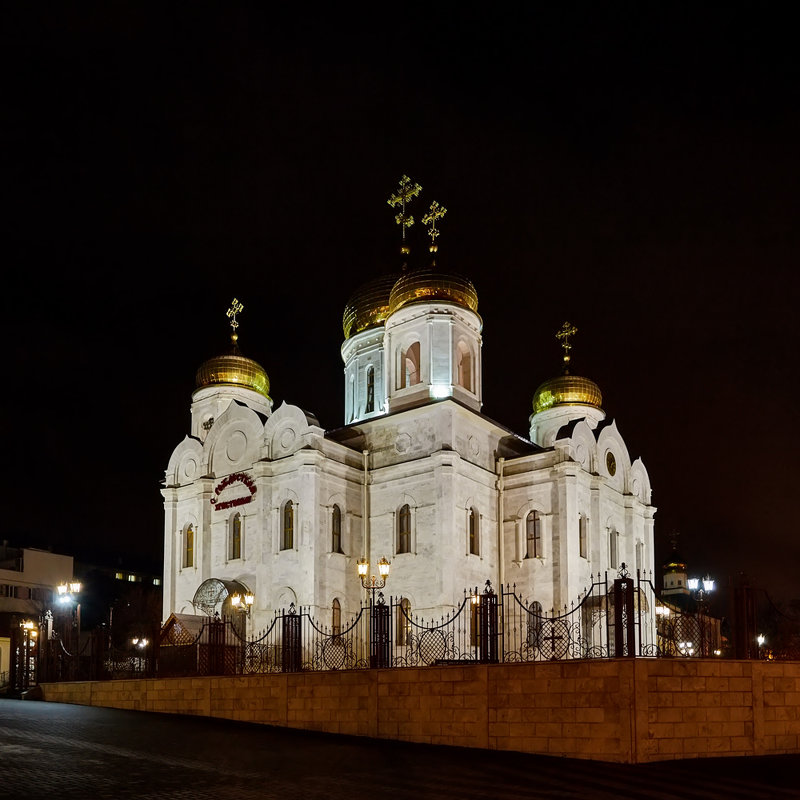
[75, 587]
[383, 567]
[693, 584]
[708, 584]
[62, 588]
[363, 567]
[249, 599]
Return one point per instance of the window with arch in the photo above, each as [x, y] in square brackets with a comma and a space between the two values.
[235, 549]
[403, 621]
[409, 367]
[533, 535]
[474, 532]
[370, 404]
[534, 623]
[464, 365]
[582, 536]
[336, 617]
[287, 532]
[613, 547]
[188, 547]
[404, 529]
[336, 529]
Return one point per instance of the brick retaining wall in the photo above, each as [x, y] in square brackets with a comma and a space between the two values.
[620, 710]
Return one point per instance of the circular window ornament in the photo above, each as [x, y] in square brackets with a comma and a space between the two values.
[611, 464]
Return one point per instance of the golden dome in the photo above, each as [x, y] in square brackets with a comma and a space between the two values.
[567, 390]
[429, 285]
[368, 306]
[233, 369]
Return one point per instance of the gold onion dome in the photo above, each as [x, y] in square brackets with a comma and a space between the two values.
[430, 285]
[566, 389]
[233, 369]
[369, 305]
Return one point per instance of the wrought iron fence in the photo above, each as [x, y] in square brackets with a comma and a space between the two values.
[622, 617]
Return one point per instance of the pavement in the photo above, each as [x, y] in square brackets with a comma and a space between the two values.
[53, 750]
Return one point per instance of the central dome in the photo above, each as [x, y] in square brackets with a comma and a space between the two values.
[369, 305]
[429, 285]
[233, 369]
[567, 390]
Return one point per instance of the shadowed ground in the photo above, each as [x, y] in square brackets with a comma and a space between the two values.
[49, 749]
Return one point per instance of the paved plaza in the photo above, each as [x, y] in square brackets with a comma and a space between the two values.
[64, 751]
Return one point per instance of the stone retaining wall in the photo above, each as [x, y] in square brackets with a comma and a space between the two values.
[620, 710]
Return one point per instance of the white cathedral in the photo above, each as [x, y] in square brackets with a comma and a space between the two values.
[269, 504]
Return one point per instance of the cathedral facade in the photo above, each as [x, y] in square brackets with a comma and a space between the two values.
[268, 503]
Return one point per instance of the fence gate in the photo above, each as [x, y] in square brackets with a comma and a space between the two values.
[292, 650]
[624, 616]
[487, 620]
[379, 638]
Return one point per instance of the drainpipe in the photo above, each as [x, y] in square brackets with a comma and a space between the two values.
[367, 545]
[501, 549]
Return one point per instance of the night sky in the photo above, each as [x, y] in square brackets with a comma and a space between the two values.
[635, 173]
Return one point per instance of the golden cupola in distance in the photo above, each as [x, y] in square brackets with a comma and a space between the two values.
[566, 389]
[368, 306]
[232, 368]
[559, 401]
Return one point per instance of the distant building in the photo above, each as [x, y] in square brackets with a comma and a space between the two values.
[28, 581]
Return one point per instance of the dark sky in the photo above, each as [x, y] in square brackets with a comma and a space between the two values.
[635, 173]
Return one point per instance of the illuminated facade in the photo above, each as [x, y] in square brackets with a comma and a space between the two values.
[271, 503]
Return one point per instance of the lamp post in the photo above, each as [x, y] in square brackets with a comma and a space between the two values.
[68, 596]
[140, 645]
[701, 588]
[373, 583]
[378, 612]
[761, 641]
[243, 603]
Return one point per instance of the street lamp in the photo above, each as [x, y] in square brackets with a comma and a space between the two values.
[701, 588]
[67, 595]
[372, 583]
[243, 603]
[378, 613]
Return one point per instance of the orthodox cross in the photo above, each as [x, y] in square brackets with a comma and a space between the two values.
[403, 195]
[563, 335]
[236, 308]
[435, 213]
[552, 638]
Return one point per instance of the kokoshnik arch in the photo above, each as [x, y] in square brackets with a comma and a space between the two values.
[271, 503]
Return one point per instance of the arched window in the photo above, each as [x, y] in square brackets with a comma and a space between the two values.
[336, 530]
[534, 623]
[582, 540]
[533, 535]
[188, 547]
[370, 406]
[409, 368]
[464, 366]
[235, 537]
[404, 530]
[287, 535]
[474, 532]
[403, 621]
[336, 617]
[613, 537]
